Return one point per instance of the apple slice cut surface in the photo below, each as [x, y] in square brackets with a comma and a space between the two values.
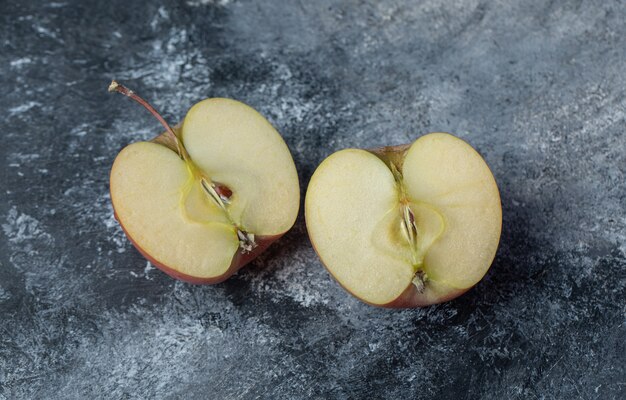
[161, 204]
[431, 219]
[238, 147]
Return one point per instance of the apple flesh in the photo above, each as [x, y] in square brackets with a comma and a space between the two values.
[405, 226]
[209, 197]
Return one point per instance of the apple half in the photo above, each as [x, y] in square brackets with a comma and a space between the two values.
[201, 201]
[405, 226]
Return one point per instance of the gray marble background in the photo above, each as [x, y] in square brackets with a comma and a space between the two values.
[538, 87]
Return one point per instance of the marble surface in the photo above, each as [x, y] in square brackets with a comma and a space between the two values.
[538, 87]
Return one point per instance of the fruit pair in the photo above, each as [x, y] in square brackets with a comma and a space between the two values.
[402, 226]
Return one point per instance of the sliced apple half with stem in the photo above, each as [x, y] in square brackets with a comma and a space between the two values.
[405, 226]
[202, 200]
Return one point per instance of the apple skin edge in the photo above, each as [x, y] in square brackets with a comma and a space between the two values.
[239, 260]
[392, 154]
[410, 297]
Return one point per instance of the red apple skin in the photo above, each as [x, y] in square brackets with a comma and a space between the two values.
[410, 298]
[239, 260]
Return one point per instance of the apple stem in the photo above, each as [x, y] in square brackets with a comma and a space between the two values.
[119, 88]
[223, 191]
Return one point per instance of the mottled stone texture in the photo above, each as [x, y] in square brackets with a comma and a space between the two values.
[538, 87]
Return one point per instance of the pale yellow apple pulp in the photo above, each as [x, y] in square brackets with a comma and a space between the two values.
[354, 213]
[161, 204]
